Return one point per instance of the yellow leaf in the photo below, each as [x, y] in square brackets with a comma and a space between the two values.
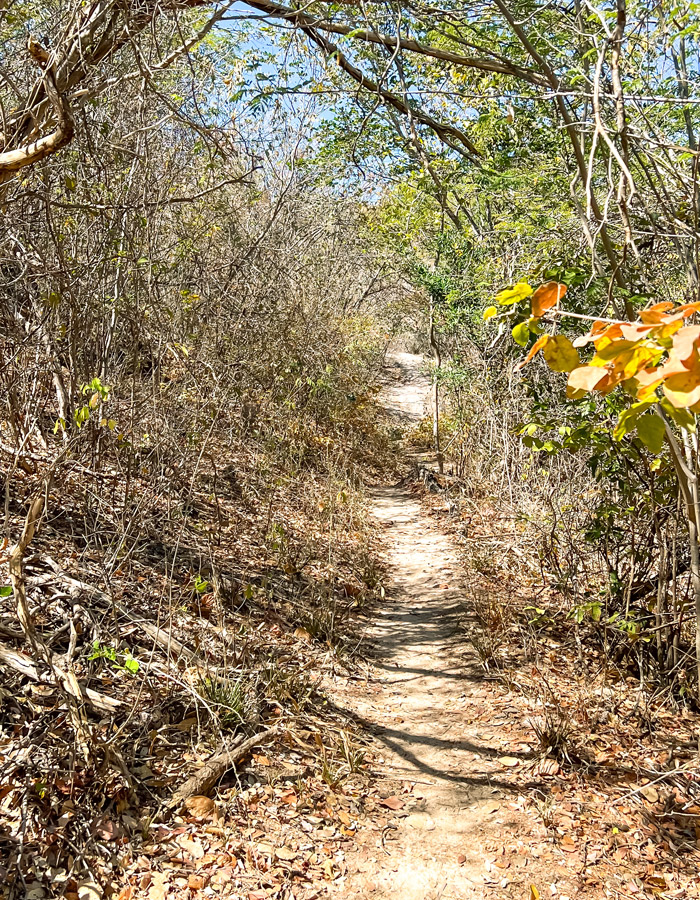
[490, 313]
[608, 350]
[683, 390]
[534, 893]
[513, 295]
[521, 334]
[560, 354]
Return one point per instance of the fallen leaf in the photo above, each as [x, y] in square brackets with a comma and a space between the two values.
[509, 761]
[567, 844]
[285, 853]
[392, 803]
[301, 634]
[191, 846]
[650, 793]
[197, 882]
[108, 830]
[461, 859]
[547, 767]
[88, 890]
[534, 893]
[159, 888]
[200, 807]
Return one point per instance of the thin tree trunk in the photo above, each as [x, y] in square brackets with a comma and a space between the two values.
[436, 389]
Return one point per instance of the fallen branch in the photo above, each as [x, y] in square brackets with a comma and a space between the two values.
[20, 662]
[204, 780]
[160, 636]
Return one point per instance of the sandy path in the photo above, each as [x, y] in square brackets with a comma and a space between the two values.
[415, 704]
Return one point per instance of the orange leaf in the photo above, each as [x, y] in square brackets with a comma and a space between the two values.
[546, 296]
[645, 383]
[634, 331]
[200, 807]
[536, 347]
[655, 314]
[586, 378]
[392, 803]
[685, 342]
[598, 330]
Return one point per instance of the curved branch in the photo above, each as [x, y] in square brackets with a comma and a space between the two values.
[16, 159]
[374, 37]
[449, 134]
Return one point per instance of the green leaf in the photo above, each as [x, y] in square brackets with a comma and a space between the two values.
[131, 664]
[651, 430]
[521, 334]
[628, 418]
[5, 590]
[682, 417]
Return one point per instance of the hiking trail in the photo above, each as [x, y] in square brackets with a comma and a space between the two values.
[423, 676]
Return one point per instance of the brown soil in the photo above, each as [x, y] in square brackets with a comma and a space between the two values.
[416, 700]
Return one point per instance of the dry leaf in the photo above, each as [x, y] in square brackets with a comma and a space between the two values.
[197, 882]
[509, 761]
[461, 859]
[567, 844]
[392, 803]
[191, 846]
[88, 890]
[200, 807]
[108, 830]
[534, 893]
[159, 888]
[344, 817]
[301, 634]
[650, 793]
[285, 853]
[547, 767]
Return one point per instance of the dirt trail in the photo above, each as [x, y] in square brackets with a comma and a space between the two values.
[415, 704]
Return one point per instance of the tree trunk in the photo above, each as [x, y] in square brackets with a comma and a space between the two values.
[436, 389]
